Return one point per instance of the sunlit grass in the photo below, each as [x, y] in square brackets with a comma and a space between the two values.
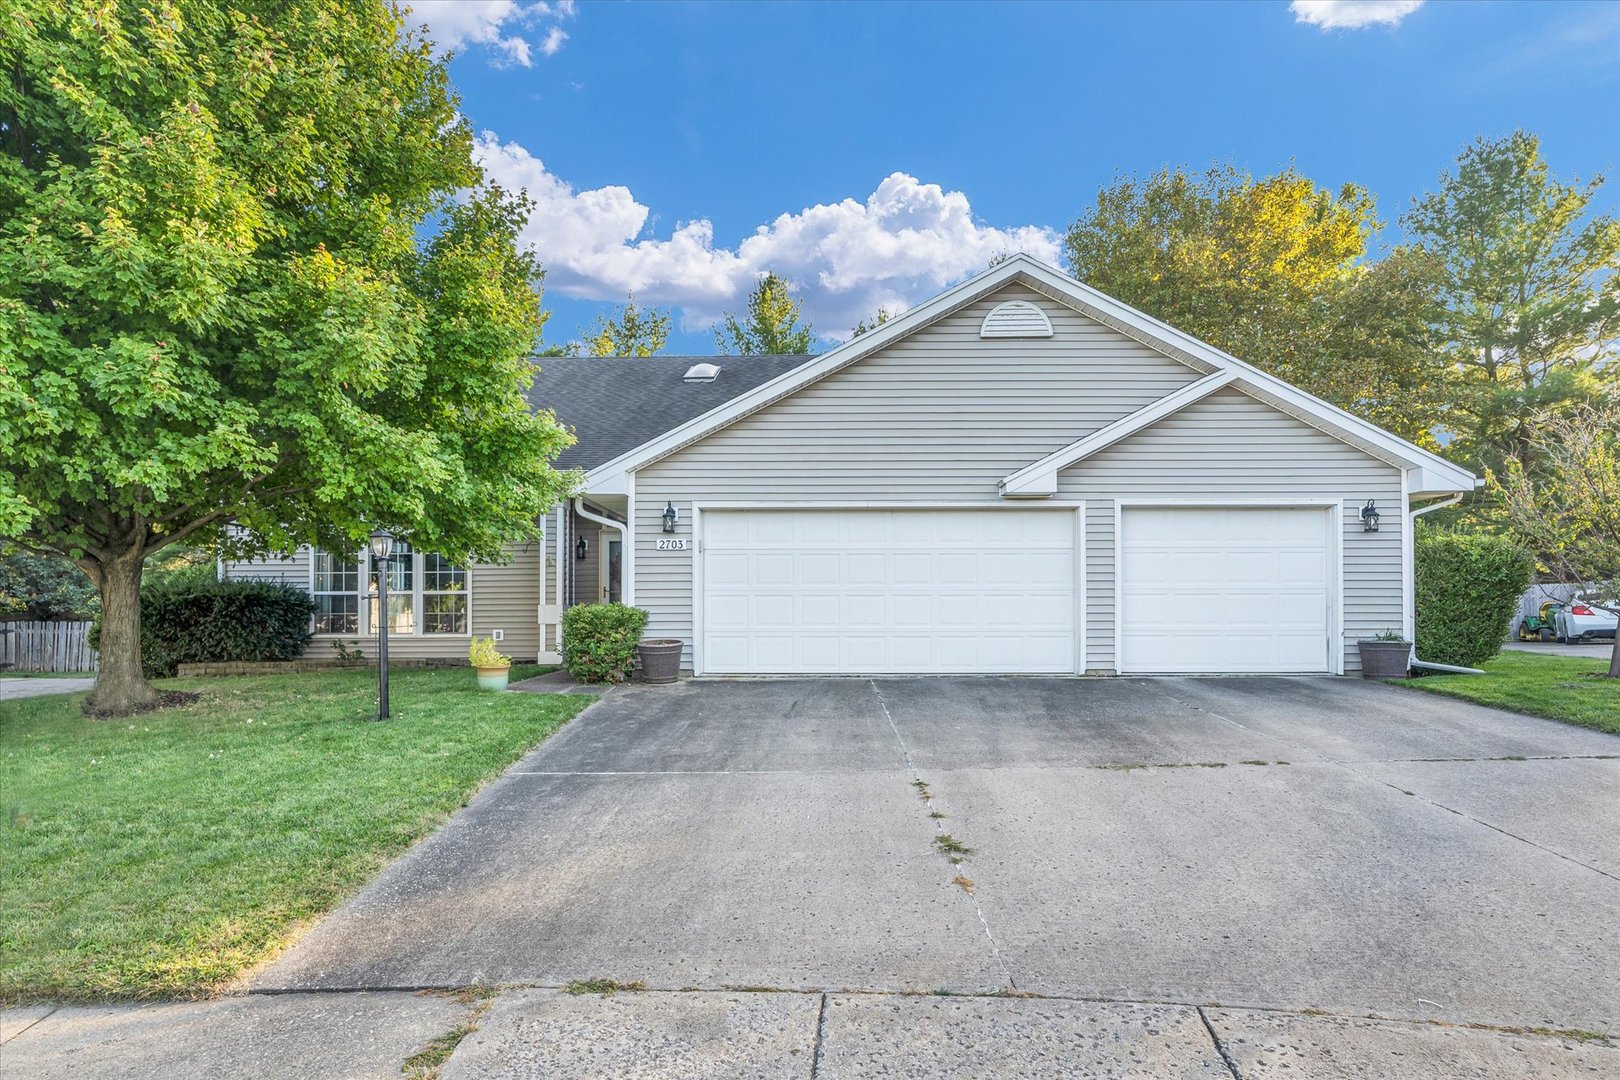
[164, 854]
[1567, 688]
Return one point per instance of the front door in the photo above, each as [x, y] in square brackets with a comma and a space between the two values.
[613, 572]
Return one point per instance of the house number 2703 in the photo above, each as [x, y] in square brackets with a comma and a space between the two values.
[672, 545]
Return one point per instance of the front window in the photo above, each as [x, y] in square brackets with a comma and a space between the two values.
[427, 594]
[336, 590]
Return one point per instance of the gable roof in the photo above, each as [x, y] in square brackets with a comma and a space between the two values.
[615, 404]
[1434, 473]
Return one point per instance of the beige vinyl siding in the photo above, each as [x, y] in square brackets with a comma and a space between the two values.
[1231, 447]
[504, 596]
[940, 415]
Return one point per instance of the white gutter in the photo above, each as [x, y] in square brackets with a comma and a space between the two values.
[626, 585]
[1411, 530]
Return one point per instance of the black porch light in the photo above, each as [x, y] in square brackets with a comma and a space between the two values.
[670, 515]
[580, 549]
[1369, 517]
[382, 554]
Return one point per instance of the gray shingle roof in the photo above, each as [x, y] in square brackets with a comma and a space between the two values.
[614, 404]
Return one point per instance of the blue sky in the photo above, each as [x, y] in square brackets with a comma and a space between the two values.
[875, 153]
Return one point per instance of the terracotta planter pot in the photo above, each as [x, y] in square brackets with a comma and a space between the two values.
[1385, 659]
[493, 678]
[660, 659]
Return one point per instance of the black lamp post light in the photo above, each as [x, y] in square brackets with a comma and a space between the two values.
[382, 554]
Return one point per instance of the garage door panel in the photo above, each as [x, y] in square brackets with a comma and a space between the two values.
[1206, 589]
[876, 591]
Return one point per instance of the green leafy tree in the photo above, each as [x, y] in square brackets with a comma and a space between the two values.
[1562, 498]
[250, 275]
[43, 587]
[771, 325]
[870, 323]
[1529, 308]
[629, 331]
[1273, 272]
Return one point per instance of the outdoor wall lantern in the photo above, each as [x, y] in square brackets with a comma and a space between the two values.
[382, 553]
[580, 549]
[670, 516]
[1369, 517]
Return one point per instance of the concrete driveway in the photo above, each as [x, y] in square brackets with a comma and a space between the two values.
[15, 687]
[1297, 844]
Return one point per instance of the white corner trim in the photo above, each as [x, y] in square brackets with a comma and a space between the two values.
[1039, 478]
[1016, 319]
[1440, 474]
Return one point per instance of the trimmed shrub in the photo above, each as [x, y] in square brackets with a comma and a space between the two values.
[1468, 588]
[215, 621]
[599, 641]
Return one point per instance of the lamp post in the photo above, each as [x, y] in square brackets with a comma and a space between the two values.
[382, 552]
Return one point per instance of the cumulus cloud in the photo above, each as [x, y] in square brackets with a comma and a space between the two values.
[1352, 14]
[898, 246]
[502, 26]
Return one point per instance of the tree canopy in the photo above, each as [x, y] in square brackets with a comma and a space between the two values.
[770, 326]
[628, 331]
[250, 275]
[1528, 305]
[1273, 272]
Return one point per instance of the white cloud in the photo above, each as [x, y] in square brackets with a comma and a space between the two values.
[904, 243]
[499, 25]
[1352, 14]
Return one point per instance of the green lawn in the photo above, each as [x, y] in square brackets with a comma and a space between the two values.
[163, 855]
[1559, 687]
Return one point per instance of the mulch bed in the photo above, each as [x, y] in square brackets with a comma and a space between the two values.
[166, 699]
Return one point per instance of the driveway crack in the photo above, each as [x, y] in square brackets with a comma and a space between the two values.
[939, 832]
[821, 1038]
[1220, 1047]
[1353, 771]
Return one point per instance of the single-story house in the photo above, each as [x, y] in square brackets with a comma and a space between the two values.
[1021, 475]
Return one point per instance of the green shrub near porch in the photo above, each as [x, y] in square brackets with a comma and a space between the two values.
[599, 641]
[1468, 586]
[220, 621]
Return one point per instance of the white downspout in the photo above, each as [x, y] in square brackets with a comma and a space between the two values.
[624, 541]
[1411, 531]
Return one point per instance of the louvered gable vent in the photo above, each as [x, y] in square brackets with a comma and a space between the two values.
[1016, 318]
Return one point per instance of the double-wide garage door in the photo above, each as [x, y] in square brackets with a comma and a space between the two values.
[888, 591]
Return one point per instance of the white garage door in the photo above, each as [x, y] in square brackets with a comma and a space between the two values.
[1225, 590]
[887, 591]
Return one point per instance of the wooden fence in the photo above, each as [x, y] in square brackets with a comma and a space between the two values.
[46, 646]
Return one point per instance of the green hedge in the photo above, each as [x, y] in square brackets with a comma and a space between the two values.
[1468, 588]
[599, 641]
[220, 620]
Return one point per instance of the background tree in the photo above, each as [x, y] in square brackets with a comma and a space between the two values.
[770, 326]
[628, 331]
[1529, 305]
[41, 587]
[237, 284]
[870, 322]
[1564, 502]
[1271, 271]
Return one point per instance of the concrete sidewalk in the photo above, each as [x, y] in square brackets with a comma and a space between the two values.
[527, 1034]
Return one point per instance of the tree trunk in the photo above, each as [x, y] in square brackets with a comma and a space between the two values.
[120, 686]
[1614, 659]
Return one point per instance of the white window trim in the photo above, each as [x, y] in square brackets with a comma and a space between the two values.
[363, 556]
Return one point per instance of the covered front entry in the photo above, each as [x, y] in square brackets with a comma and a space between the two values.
[1227, 590]
[864, 591]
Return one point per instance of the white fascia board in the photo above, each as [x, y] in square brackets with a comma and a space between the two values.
[1039, 478]
[609, 475]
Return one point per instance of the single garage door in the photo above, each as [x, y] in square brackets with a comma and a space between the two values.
[887, 591]
[1225, 590]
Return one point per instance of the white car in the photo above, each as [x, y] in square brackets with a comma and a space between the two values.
[1583, 620]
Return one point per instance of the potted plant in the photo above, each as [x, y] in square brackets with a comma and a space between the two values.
[660, 659]
[1386, 656]
[493, 668]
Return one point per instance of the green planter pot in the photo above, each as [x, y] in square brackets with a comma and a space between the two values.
[493, 678]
